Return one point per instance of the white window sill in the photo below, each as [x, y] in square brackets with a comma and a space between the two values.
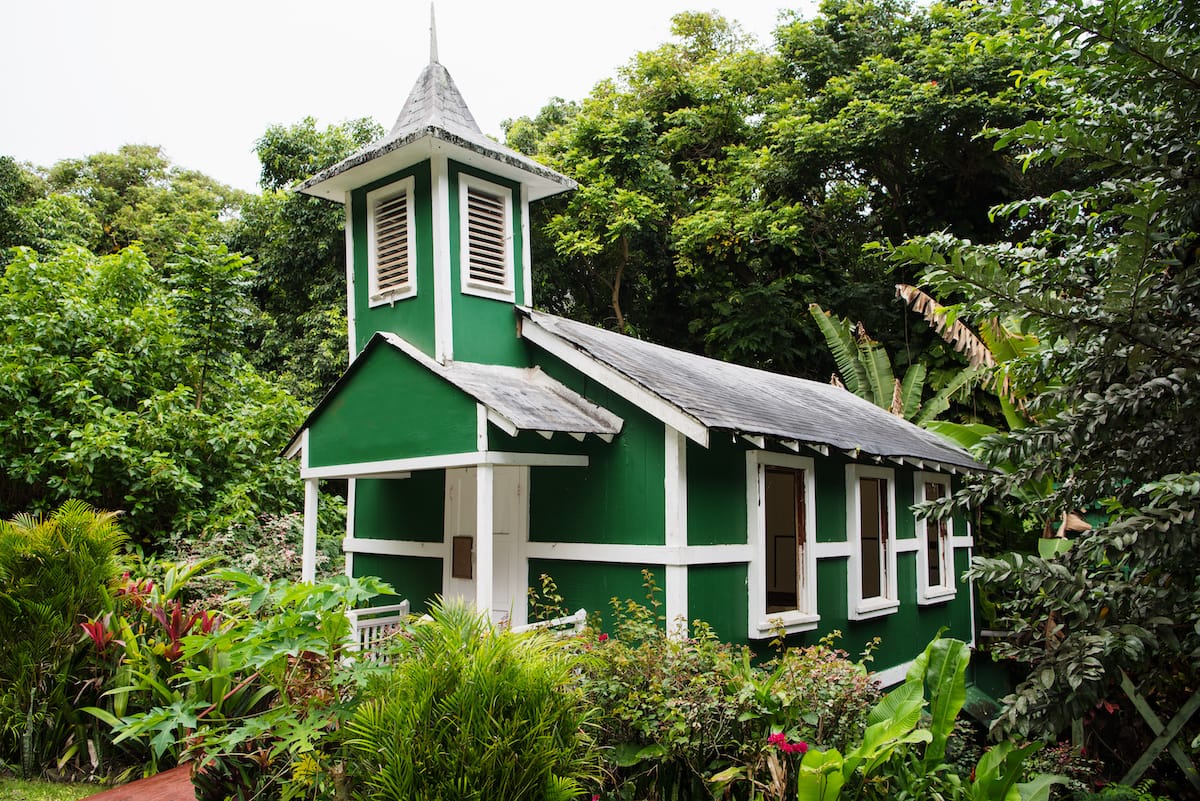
[789, 622]
[490, 292]
[390, 298]
[875, 607]
[936, 595]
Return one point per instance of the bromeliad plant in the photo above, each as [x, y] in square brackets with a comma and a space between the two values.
[255, 697]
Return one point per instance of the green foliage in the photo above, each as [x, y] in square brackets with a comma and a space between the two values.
[468, 712]
[136, 195]
[29, 790]
[681, 714]
[256, 694]
[887, 764]
[1106, 275]
[55, 571]
[866, 370]
[299, 250]
[100, 396]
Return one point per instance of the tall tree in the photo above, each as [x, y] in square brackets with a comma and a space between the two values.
[1109, 277]
[299, 251]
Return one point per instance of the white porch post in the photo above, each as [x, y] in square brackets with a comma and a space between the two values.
[308, 560]
[484, 483]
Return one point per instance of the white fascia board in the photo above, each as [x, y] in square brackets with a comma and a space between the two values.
[469, 459]
[501, 422]
[614, 380]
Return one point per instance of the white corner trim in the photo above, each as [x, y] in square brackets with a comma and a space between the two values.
[676, 597]
[481, 424]
[443, 323]
[675, 529]
[350, 303]
[617, 382]
[526, 250]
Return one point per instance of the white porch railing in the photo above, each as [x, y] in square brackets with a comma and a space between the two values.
[371, 626]
[571, 624]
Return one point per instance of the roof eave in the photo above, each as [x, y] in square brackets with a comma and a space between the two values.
[385, 158]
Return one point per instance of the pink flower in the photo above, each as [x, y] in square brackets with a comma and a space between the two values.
[100, 632]
[778, 739]
[795, 748]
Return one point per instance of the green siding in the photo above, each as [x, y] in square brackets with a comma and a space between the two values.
[716, 494]
[592, 585]
[411, 318]
[485, 329]
[391, 408]
[717, 595]
[906, 524]
[831, 498]
[417, 579]
[400, 509]
[619, 496]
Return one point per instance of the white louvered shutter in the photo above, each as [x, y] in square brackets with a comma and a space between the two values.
[486, 235]
[391, 245]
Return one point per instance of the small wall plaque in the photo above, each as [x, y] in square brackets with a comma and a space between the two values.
[460, 563]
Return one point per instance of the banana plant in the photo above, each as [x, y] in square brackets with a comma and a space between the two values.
[866, 370]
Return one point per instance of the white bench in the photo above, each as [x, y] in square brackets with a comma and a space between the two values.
[371, 626]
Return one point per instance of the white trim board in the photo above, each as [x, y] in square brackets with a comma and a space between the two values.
[467, 459]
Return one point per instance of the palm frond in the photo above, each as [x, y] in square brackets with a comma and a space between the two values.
[951, 329]
[839, 336]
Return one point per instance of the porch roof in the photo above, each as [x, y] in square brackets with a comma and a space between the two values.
[718, 395]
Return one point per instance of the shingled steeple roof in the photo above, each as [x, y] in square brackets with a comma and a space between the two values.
[434, 118]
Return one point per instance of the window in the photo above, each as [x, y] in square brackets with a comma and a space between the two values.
[485, 217]
[390, 236]
[781, 522]
[935, 559]
[871, 514]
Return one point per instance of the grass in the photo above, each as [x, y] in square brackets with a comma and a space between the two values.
[29, 790]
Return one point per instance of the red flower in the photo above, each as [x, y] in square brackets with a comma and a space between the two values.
[778, 739]
[602, 638]
[100, 632]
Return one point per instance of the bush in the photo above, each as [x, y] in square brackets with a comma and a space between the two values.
[54, 574]
[678, 714]
[469, 712]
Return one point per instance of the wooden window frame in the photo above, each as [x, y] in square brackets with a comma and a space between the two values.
[375, 296]
[934, 593]
[764, 624]
[858, 607]
[471, 286]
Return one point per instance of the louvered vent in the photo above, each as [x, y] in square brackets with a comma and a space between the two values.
[487, 262]
[391, 245]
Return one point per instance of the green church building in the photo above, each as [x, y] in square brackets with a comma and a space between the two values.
[487, 443]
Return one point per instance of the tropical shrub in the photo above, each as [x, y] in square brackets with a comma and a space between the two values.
[680, 716]
[467, 711]
[55, 573]
[255, 695]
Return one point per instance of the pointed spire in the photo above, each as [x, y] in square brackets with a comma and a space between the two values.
[433, 53]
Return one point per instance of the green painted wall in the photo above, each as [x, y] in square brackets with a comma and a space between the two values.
[400, 509]
[716, 495]
[411, 318]
[619, 496]
[485, 329]
[592, 585]
[726, 611]
[831, 497]
[391, 408]
[418, 580]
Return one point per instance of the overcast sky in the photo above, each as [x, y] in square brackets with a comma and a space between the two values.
[204, 80]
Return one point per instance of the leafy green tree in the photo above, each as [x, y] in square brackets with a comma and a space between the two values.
[1108, 277]
[136, 195]
[99, 401]
[17, 188]
[299, 250]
